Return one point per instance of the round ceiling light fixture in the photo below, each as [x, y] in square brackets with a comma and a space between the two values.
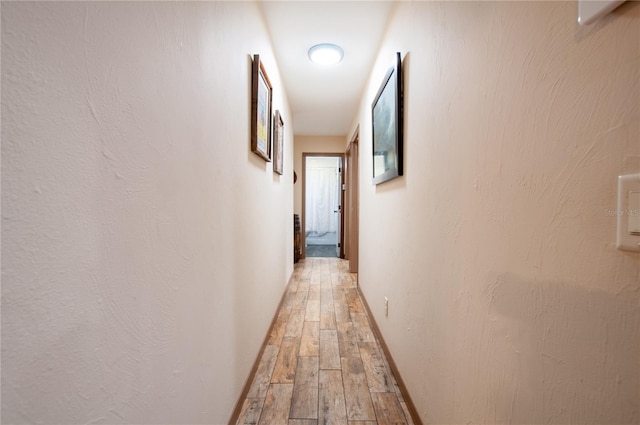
[326, 54]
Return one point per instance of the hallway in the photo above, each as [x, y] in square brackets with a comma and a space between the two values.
[323, 363]
[147, 245]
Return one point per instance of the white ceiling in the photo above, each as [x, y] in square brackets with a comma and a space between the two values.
[325, 99]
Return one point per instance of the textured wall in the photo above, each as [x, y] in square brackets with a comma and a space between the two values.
[508, 302]
[144, 247]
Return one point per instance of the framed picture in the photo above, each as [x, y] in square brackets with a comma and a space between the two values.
[387, 125]
[261, 93]
[278, 142]
[590, 10]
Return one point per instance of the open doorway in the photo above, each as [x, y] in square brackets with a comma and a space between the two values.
[322, 205]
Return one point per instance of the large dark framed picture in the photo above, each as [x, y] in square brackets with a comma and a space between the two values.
[387, 125]
[278, 143]
[261, 93]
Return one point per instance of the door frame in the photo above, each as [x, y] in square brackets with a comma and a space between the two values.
[351, 211]
[303, 218]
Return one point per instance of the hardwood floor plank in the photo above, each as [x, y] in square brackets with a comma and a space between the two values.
[314, 292]
[407, 414]
[362, 328]
[331, 407]
[398, 392]
[310, 341]
[288, 302]
[388, 366]
[304, 404]
[277, 333]
[345, 281]
[276, 405]
[285, 369]
[329, 350]
[353, 300]
[392, 379]
[347, 340]
[388, 409]
[254, 411]
[297, 270]
[362, 423]
[326, 297]
[316, 277]
[262, 378]
[294, 324]
[300, 301]
[305, 274]
[313, 311]
[335, 278]
[326, 282]
[340, 305]
[303, 422]
[379, 376]
[243, 412]
[356, 392]
[327, 317]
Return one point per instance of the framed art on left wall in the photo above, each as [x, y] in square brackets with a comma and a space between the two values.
[278, 143]
[261, 94]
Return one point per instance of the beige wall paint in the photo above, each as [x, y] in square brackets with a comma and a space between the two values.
[312, 144]
[144, 247]
[508, 302]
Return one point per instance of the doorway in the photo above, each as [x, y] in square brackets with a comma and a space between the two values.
[351, 203]
[322, 200]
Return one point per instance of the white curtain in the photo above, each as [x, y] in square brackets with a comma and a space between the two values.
[322, 199]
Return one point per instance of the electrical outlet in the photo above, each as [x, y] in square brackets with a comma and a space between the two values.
[386, 307]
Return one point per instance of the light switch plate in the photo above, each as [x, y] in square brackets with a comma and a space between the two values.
[628, 213]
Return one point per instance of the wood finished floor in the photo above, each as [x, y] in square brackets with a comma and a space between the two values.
[323, 364]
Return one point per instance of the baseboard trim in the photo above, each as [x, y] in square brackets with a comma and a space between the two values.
[403, 389]
[247, 385]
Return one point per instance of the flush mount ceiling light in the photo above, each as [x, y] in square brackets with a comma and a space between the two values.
[325, 54]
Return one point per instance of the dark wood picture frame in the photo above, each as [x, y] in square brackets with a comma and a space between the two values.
[278, 143]
[261, 100]
[387, 116]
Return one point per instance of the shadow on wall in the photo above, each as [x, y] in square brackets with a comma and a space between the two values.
[559, 340]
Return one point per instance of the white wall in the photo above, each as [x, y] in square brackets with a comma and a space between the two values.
[144, 246]
[508, 302]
